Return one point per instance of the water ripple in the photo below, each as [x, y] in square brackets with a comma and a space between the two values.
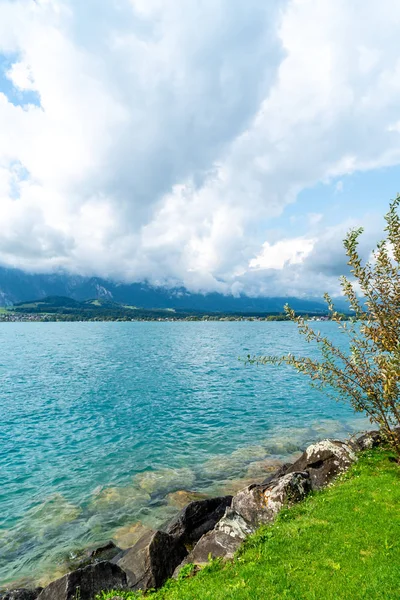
[99, 422]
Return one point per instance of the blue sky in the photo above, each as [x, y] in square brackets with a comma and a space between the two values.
[222, 145]
[350, 197]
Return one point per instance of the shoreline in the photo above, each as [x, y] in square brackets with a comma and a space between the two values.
[126, 535]
[222, 518]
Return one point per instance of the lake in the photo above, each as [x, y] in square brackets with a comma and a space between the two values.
[102, 422]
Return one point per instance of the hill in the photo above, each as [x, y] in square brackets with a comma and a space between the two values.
[62, 308]
[17, 286]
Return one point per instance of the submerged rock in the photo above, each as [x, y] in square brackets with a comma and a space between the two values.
[105, 552]
[53, 512]
[165, 480]
[197, 518]
[114, 498]
[127, 536]
[262, 468]
[324, 461]
[259, 504]
[152, 560]
[182, 498]
[85, 583]
[21, 594]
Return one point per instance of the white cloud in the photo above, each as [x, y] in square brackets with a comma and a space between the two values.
[167, 130]
[285, 252]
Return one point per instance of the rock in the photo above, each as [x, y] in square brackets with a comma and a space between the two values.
[324, 461]
[252, 506]
[152, 560]
[370, 439]
[259, 504]
[222, 542]
[128, 535]
[234, 525]
[197, 518]
[21, 594]
[182, 498]
[216, 544]
[104, 552]
[85, 583]
[278, 473]
[101, 553]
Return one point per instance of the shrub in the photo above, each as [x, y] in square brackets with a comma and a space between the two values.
[368, 374]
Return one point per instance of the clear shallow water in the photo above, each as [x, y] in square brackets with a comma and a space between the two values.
[99, 422]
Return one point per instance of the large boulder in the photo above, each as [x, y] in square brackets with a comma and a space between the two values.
[222, 542]
[259, 504]
[85, 583]
[214, 544]
[324, 461]
[20, 594]
[234, 525]
[197, 518]
[152, 560]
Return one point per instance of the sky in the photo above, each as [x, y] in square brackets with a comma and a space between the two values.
[217, 144]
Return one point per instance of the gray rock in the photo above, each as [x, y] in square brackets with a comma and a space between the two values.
[20, 594]
[152, 560]
[259, 504]
[92, 555]
[222, 542]
[370, 439]
[85, 583]
[104, 552]
[324, 461]
[197, 518]
[277, 474]
[215, 544]
[234, 525]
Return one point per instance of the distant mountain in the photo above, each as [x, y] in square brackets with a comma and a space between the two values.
[18, 286]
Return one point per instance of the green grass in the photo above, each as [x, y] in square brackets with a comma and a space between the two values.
[340, 543]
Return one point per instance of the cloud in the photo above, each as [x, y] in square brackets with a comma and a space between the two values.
[166, 132]
[285, 252]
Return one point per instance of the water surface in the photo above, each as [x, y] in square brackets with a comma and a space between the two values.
[99, 422]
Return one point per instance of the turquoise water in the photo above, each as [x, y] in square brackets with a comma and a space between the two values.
[101, 421]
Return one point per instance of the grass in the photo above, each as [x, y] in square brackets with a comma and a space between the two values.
[340, 543]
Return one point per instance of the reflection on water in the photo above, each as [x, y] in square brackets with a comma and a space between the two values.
[108, 429]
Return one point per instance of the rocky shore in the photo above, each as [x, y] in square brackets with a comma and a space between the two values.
[205, 527]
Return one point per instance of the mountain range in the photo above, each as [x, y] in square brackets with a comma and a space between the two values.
[19, 286]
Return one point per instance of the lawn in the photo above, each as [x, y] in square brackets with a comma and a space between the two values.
[341, 543]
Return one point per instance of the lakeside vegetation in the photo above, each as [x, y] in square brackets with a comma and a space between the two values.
[59, 308]
[339, 543]
[367, 373]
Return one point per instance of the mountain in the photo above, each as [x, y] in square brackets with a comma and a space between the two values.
[18, 286]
